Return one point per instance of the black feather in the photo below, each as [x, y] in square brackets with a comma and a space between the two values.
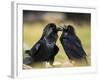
[45, 49]
[72, 44]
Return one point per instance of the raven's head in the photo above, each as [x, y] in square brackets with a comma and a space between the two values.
[51, 27]
[50, 32]
[69, 29]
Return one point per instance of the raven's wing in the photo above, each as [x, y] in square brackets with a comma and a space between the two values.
[72, 47]
[77, 42]
[35, 49]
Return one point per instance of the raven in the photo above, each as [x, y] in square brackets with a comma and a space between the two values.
[72, 44]
[45, 48]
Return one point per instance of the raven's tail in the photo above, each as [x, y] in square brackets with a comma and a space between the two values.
[28, 52]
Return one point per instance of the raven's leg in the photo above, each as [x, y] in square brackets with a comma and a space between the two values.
[86, 60]
[51, 61]
[55, 51]
[69, 57]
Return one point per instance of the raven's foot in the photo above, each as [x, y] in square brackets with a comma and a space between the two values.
[72, 62]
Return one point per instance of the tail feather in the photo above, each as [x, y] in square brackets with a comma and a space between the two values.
[28, 52]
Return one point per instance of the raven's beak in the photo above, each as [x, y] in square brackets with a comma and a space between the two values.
[59, 28]
[64, 26]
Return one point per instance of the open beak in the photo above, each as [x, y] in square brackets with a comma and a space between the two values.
[64, 26]
[59, 28]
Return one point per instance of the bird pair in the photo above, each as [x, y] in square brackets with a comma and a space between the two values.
[46, 49]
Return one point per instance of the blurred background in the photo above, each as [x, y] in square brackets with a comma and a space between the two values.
[35, 21]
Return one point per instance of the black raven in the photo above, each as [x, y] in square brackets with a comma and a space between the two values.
[45, 49]
[72, 44]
